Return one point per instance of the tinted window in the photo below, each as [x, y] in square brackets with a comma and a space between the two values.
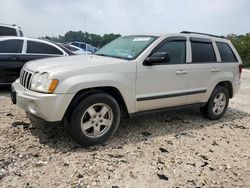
[6, 31]
[202, 52]
[74, 44]
[176, 51]
[11, 46]
[42, 48]
[83, 46]
[226, 52]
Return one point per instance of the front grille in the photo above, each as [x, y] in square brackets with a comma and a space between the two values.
[25, 78]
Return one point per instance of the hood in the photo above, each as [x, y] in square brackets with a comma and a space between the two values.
[67, 63]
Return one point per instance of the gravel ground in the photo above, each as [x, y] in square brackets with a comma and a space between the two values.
[175, 149]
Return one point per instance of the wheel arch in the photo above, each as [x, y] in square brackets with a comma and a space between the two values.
[228, 85]
[113, 91]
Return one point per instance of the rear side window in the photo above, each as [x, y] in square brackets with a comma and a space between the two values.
[42, 48]
[202, 52]
[176, 51]
[226, 52]
[11, 46]
[7, 31]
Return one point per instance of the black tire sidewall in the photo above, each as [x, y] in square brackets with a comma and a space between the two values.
[75, 119]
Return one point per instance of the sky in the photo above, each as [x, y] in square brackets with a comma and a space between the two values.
[55, 17]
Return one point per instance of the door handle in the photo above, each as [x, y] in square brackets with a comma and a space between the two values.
[15, 58]
[178, 72]
[215, 69]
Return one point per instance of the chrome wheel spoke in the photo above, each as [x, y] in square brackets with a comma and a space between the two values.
[107, 122]
[96, 130]
[223, 103]
[216, 100]
[91, 111]
[103, 111]
[87, 125]
[215, 108]
[220, 98]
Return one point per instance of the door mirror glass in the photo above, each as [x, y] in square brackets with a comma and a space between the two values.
[157, 57]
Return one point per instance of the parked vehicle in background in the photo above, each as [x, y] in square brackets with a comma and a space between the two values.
[76, 50]
[130, 76]
[85, 46]
[10, 30]
[16, 51]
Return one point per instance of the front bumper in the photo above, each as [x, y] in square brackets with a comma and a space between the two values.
[49, 107]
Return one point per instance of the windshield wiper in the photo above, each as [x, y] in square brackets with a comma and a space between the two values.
[101, 54]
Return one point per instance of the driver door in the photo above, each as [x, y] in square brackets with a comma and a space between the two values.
[164, 84]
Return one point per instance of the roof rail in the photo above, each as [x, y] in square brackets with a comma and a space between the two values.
[191, 32]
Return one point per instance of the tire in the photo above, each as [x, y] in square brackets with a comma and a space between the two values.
[209, 110]
[87, 121]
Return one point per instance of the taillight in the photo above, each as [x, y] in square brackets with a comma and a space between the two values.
[240, 70]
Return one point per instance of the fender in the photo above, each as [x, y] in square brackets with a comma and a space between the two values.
[124, 83]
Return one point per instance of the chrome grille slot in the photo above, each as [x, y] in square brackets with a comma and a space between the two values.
[21, 76]
[25, 78]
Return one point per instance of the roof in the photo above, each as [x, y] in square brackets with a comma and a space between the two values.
[188, 34]
[10, 25]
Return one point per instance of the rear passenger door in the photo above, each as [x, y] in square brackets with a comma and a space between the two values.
[39, 50]
[204, 69]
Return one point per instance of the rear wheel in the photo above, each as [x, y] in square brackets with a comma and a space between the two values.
[217, 104]
[94, 119]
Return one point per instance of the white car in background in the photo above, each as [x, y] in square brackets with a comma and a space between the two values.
[10, 30]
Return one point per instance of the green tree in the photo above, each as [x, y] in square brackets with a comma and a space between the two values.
[242, 44]
[89, 38]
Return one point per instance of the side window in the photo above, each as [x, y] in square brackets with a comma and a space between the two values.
[11, 46]
[83, 46]
[176, 51]
[226, 52]
[202, 52]
[75, 44]
[42, 48]
[7, 31]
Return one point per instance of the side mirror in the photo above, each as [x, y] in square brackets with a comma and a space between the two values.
[157, 57]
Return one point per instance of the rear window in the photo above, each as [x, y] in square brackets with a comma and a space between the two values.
[226, 52]
[7, 31]
[42, 48]
[202, 52]
[11, 46]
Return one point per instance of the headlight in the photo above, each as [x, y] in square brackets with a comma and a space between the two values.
[42, 82]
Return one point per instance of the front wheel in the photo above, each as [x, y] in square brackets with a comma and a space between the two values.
[217, 104]
[94, 119]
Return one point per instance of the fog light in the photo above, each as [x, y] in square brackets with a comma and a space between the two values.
[32, 107]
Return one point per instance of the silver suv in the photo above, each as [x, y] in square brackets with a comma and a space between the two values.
[130, 76]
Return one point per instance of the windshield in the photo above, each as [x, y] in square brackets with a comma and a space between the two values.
[128, 47]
